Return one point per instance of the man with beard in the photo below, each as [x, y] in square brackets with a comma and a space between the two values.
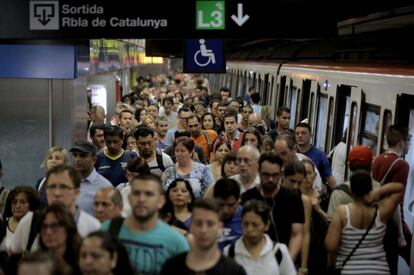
[157, 160]
[204, 256]
[204, 138]
[287, 213]
[149, 241]
[83, 158]
[161, 128]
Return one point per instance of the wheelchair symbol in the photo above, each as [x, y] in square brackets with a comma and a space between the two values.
[204, 56]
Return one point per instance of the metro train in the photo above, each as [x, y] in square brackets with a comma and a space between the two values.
[358, 101]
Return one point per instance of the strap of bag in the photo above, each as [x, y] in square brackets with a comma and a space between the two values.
[160, 163]
[209, 141]
[231, 251]
[389, 170]
[363, 237]
[115, 226]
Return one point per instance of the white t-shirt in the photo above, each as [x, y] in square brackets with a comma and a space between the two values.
[338, 162]
[266, 264]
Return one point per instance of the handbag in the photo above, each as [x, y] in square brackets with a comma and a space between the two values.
[333, 270]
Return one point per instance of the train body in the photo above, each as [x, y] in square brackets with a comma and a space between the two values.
[353, 103]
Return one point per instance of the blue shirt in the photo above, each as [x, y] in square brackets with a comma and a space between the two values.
[113, 168]
[321, 161]
[149, 250]
[232, 229]
[88, 188]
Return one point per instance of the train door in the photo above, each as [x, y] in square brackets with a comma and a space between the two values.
[356, 99]
[314, 90]
[404, 116]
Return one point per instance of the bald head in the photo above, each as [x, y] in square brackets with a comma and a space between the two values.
[284, 147]
[255, 119]
[108, 203]
[247, 159]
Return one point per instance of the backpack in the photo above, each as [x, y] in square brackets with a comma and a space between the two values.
[345, 188]
[278, 254]
[115, 226]
[34, 229]
[160, 163]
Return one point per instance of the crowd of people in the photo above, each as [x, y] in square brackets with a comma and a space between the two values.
[184, 181]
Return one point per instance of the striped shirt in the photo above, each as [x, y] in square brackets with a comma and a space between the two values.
[369, 258]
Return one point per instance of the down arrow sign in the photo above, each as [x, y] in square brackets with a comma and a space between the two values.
[240, 19]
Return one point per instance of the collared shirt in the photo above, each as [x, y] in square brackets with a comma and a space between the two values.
[88, 188]
[236, 142]
[241, 184]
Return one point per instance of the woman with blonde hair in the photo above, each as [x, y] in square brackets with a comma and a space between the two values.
[55, 156]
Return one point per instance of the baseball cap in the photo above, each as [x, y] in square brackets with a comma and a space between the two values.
[84, 146]
[360, 155]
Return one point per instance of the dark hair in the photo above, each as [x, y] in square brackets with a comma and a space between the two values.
[280, 111]
[255, 97]
[138, 165]
[114, 131]
[113, 245]
[304, 125]
[126, 97]
[212, 101]
[290, 142]
[42, 257]
[181, 95]
[202, 119]
[232, 156]
[143, 131]
[186, 142]
[32, 198]
[294, 167]
[116, 196]
[260, 208]
[253, 131]
[271, 157]
[225, 188]
[395, 134]
[167, 99]
[95, 126]
[183, 109]
[178, 134]
[207, 204]
[224, 89]
[187, 186]
[361, 183]
[219, 142]
[149, 177]
[73, 174]
[137, 114]
[125, 111]
[230, 113]
[66, 220]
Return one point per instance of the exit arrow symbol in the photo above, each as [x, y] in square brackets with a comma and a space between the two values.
[240, 19]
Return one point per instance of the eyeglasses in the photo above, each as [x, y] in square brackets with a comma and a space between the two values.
[63, 187]
[52, 226]
[268, 175]
[244, 160]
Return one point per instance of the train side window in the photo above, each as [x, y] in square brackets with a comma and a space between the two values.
[321, 123]
[292, 106]
[329, 122]
[386, 122]
[353, 123]
[312, 102]
[282, 91]
[304, 106]
[370, 126]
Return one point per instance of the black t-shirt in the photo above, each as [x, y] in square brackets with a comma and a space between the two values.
[287, 208]
[225, 265]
